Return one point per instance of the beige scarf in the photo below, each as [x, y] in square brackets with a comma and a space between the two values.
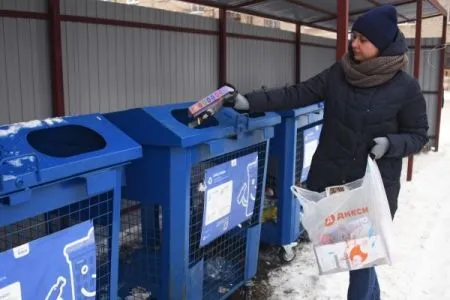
[373, 72]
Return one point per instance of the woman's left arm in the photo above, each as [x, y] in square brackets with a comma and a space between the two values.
[413, 126]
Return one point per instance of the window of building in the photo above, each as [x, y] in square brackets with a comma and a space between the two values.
[271, 23]
[234, 16]
[197, 9]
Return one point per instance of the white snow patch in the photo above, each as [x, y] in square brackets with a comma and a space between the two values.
[8, 177]
[422, 229]
[53, 121]
[18, 162]
[15, 128]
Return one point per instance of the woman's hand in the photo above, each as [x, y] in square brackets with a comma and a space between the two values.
[380, 148]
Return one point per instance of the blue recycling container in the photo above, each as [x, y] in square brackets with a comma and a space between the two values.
[193, 201]
[60, 192]
[295, 141]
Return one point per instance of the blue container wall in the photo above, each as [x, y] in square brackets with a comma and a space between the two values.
[283, 225]
[165, 183]
[50, 208]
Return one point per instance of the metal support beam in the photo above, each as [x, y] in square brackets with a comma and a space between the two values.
[438, 6]
[208, 3]
[56, 58]
[134, 24]
[23, 14]
[417, 53]
[298, 40]
[342, 28]
[222, 46]
[440, 103]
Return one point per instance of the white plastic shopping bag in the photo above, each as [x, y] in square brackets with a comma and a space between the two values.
[350, 226]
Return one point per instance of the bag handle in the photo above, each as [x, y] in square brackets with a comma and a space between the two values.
[297, 193]
[295, 190]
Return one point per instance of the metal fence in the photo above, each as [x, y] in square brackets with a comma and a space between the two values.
[117, 56]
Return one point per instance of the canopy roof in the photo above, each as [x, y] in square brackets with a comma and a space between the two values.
[322, 13]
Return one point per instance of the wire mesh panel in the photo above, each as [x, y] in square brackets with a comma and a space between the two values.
[224, 263]
[299, 157]
[306, 145]
[99, 209]
[270, 211]
[271, 177]
[224, 258]
[140, 249]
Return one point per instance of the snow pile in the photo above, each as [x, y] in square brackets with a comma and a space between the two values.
[422, 268]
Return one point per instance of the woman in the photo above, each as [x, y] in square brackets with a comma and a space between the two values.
[372, 106]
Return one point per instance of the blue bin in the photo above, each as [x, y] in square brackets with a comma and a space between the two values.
[183, 250]
[55, 175]
[286, 166]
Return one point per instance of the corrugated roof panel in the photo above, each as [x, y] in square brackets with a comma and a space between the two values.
[323, 4]
[390, 1]
[285, 9]
[360, 5]
[409, 10]
[332, 24]
[318, 12]
[223, 2]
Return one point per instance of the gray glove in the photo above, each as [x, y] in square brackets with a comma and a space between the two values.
[236, 100]
[380, 148]
[241, 103]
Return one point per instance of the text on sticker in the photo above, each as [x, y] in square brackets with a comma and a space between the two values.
[333, 218]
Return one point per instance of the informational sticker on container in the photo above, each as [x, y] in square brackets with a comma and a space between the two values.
[230, 196]
[58, 266]
[310, 143]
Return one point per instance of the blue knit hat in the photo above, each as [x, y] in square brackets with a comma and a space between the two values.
[378, 25]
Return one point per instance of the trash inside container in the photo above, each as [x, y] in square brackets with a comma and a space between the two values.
[291, 151]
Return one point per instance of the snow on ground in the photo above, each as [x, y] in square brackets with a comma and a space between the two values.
[422, 225]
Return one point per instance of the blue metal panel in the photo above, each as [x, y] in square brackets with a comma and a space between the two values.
[176, 233]
[59, 205]
[166, 183]
[283, 150]
[195, 287]
[57, 173]
[285, 159]
[303, 110]
[251, 260]
[167, 131]
[24, 165]
[70, 191]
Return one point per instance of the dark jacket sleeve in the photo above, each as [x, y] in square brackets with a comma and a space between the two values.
[294, 96]
[413, 126]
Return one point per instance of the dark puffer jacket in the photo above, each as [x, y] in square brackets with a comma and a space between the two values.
[352, 118]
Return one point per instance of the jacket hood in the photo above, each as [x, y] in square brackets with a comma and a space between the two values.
[397, 47]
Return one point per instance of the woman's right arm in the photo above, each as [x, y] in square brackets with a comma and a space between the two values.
[297, 95]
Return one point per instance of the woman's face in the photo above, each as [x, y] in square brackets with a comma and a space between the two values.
[362, 48]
